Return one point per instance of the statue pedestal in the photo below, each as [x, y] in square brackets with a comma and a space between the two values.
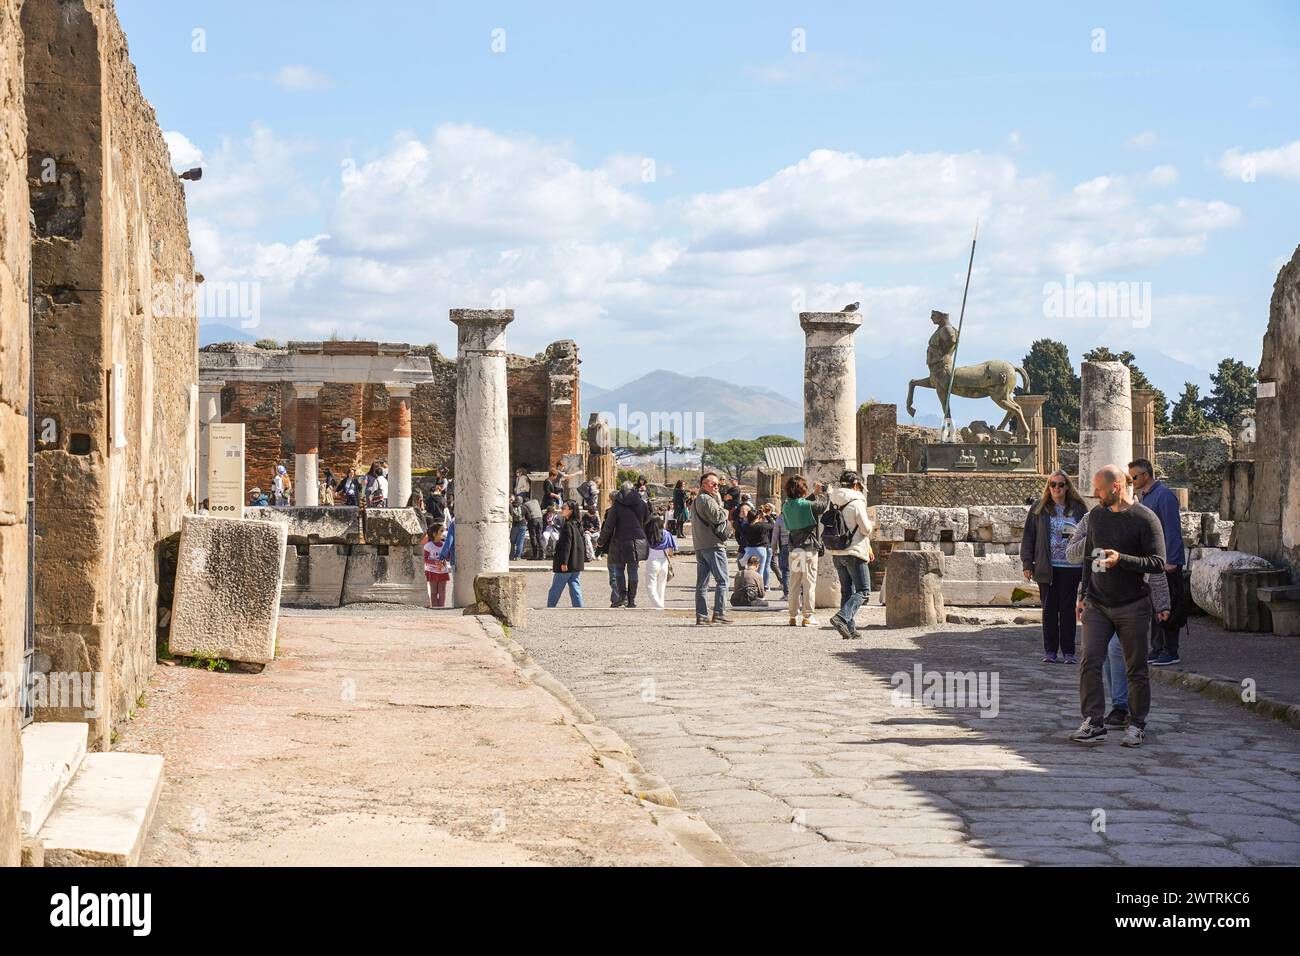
[979, 457]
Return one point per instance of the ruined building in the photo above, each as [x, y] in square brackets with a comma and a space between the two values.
[355, 384]
[93, 221]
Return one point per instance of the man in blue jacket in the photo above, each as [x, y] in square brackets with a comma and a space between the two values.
[1156, 495]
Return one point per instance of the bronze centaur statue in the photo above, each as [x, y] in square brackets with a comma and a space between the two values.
[995, 379]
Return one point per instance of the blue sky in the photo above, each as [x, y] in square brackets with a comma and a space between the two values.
[372, 166]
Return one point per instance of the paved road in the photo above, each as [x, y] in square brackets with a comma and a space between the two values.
[791, 744]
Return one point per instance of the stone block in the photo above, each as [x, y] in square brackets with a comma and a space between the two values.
[903, 523]
[103, 817]
[997, 523]
[505, 594]
[393, 526]
[976, 575]
[384, 574]
[1242, 608]
[1193, 525]
[313, 575]
[1208, 573]
[913, 589]
[313, 525]
[1216, 532]
[1284, 606]
[52, 753]
[228, 578]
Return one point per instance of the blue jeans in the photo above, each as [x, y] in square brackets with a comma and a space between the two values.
[855, 586]
[764, 561]
[622, 580]
[518, 535]
[711, 563]
[1116, 673]
[574, 581]
[783, 569]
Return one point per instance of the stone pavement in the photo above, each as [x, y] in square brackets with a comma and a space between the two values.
[382, 735]
[789, 743]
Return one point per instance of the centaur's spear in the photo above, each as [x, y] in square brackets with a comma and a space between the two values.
[960, 319]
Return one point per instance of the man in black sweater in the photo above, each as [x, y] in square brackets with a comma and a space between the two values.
[1125, 543]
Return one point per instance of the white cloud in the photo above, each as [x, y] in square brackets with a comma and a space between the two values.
[1147, 139]
[302, 79]
[185, 155]
[470, 216]
[1283, 161]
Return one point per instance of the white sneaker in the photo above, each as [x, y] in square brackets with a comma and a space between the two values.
[1089, 733]
[811, 622]
[1133, 736]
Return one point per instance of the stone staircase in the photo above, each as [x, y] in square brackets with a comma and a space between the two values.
[84, 809]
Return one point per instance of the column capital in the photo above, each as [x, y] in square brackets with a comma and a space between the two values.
[211, 384]
[307, 389]
[481, 330]
[399, 389]
[1143, 398]
[840, 323]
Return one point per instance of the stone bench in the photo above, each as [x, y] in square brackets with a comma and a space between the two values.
[1284, 606]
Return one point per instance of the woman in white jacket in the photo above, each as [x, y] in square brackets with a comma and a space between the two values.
[852, 555]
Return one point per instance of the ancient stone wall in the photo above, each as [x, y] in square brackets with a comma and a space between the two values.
[433, 414]
[114, 351]
[952, 491]
[1267, 510]
[878, 435]
[15, 355]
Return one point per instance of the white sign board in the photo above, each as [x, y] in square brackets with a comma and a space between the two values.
[226, 470]
[1266, 390]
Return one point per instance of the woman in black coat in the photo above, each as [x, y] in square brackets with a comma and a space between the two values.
[1048, 528]
[570, 558]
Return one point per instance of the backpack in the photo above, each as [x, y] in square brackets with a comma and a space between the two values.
[516, 512]
[836, 533]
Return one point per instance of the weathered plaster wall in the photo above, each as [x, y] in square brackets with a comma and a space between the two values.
[15, 354]
[111, 232]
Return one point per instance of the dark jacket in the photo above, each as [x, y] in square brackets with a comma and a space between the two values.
[623, 536]
[570, 549]
[1165, 504]
[807, 537]
[1036, 542]
[756, 533]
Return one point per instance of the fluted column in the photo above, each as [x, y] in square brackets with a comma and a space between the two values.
[399, 444]
[306, 445]
[482, 448]
[1144, 424]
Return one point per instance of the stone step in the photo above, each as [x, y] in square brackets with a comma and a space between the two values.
[52, 752]
[103, 817]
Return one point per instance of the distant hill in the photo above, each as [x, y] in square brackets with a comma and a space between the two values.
[725, 410]
[209, 334]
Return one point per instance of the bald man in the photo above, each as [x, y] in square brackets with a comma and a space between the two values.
[1125, 543]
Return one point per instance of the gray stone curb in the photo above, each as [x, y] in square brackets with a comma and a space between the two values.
[1225, 690]
[689, 830]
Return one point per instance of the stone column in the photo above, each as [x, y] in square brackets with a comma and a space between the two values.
[306, 447]
[482, 448]
[1105, 419]
[399, 444]
[209, 414]
[830, 387]
[1032, 406]
[1050, 460]
[1144, 424]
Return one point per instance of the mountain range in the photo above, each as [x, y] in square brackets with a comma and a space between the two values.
[693, 406]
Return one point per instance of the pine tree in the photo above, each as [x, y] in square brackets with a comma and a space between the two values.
[1187, 417]
[1051, 374]
[1233, 393]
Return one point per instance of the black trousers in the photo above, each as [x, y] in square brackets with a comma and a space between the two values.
[1132, 624]
[1164, 634]
[535, 537]
[1058, 600]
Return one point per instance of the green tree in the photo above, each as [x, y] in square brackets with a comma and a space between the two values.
[1187, 417]
[1233, 393]
[1139, 380]
[733, 457]
[1051, 374]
